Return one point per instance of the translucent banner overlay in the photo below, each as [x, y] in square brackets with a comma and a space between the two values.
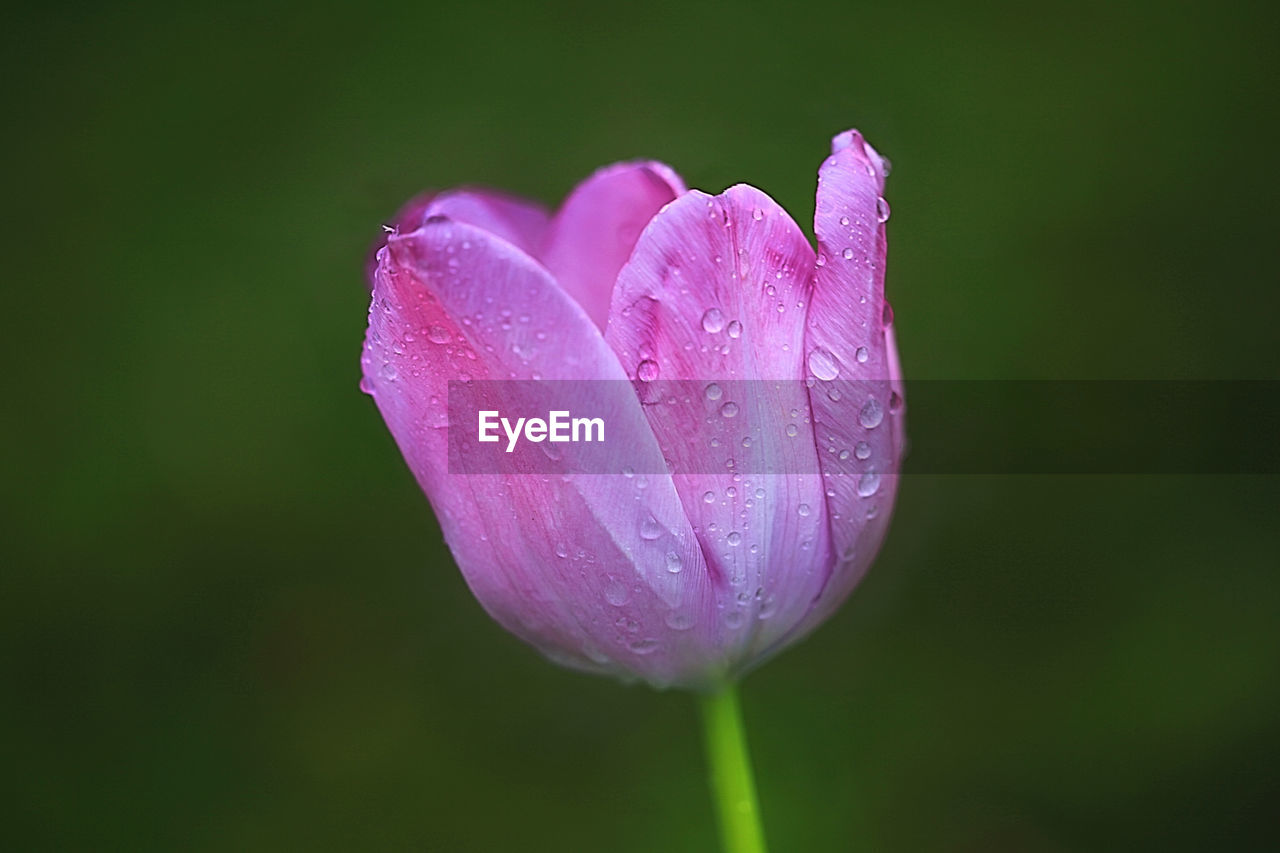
[1001, 427]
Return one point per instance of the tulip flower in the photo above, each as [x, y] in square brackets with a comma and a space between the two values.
[688, 567]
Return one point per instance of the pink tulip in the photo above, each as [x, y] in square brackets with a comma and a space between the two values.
[693, 573]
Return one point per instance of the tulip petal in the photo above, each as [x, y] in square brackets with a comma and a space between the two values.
[714, 300]
[578, 565]
[518, 221]
[596, 228]
[850, 331]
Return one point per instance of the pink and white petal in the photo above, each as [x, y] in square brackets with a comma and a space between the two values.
[559, 561]
[595, 230]
[711, 309]
[850, 349]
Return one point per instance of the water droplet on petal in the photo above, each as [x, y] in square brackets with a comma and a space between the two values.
[792, 430]
[847, 254]
[674, 563]
[714, 391]
[389, 372]
[862, 450]
[734, 537]
[650, 529]
[757, 214]
[804, 510]
[729, 409]
[822, 364]
[712, 320]
[868, 484]
[647, 370]
[678, 621]
[882, 209]
[871, 414]
[709, 497]
[734, 329]
[861, 354]
[643, 646]
[616, 593]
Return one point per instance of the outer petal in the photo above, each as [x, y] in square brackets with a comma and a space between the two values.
[573, 564]
[520, 222]
[850, 348]
[714, 297]
[596, 228]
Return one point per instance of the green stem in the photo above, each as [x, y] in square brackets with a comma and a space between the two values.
[731, 780]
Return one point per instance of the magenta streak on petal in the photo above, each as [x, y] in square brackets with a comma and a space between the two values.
[559, 561]
[716, 295]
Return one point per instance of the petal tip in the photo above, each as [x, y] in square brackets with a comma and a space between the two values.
[854, 141]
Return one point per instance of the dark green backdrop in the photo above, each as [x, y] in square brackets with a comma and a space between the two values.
[229, 622]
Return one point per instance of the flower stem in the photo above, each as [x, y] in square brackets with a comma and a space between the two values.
[732, 784]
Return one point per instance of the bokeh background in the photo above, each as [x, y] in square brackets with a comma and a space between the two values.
[229, 622]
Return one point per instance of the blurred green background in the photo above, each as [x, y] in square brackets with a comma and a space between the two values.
[229, 622]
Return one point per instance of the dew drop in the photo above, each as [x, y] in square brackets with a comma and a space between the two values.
[822, 364]
[714, 391]
[709, 497]
[650, 529]
[757, 214]
[862, 450]
[678, 621]
[844, 220]
[868, 484]
[674, 563]
[847, 254]
[734, 329]
[712, 320]
[647, 370]
[861, 354]
[734, 537]
[804, 510]
[871, 414]
[389, 372]
[792, 430]
[729, 409]
[882, 209]
[644, 645]
[616, 593]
